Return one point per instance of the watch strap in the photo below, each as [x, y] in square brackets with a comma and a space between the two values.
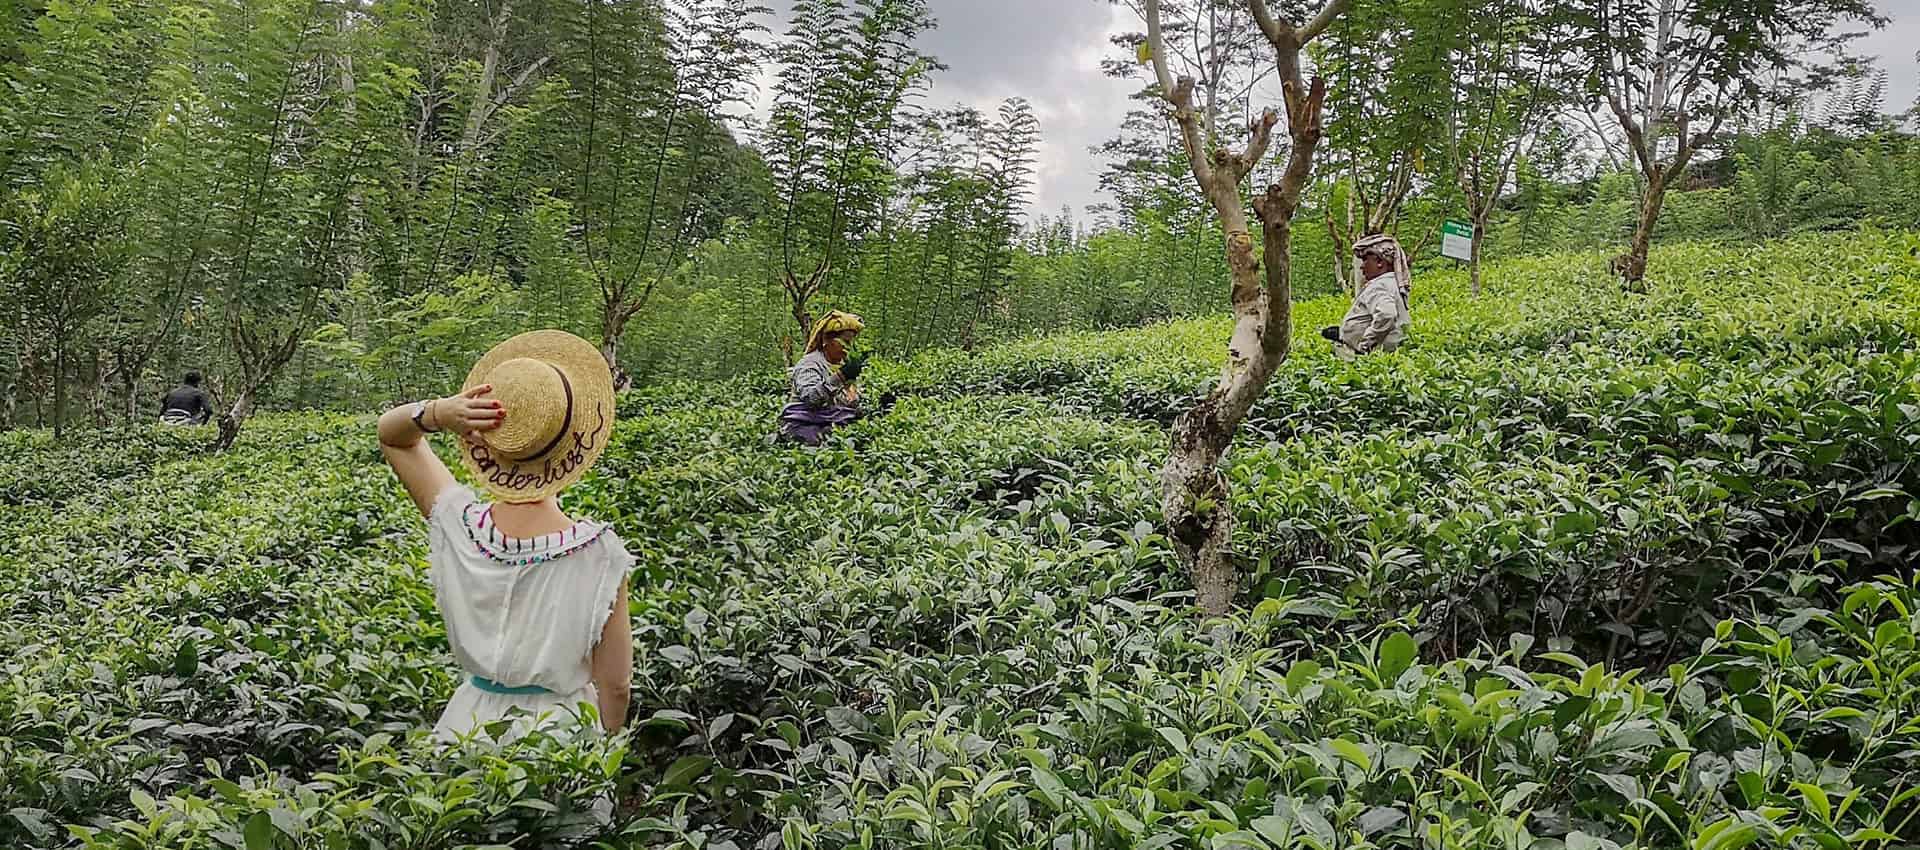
[419, 417]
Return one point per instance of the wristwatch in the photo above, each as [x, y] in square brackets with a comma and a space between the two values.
[419, 420]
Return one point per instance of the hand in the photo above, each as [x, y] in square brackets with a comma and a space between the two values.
[467, 413]
[850, 370]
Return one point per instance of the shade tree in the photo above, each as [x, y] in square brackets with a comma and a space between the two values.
[1673, 73]
[1193, 491]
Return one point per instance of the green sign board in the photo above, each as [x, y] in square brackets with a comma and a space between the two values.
[1456, 240]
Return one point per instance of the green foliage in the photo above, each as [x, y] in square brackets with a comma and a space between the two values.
[1572, 569]
[63, 251]
[850, 71]
[1726, 46]
[305, 191]
[68, 62]
[641, 132]
[1386, 117]
[64, 248]
[1788, 180]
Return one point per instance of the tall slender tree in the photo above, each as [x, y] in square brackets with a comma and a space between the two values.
[1148, 173]
[75, 91]
[1674, 72]
[1387, 119]
[483, 81]
[846, 71]
[651, 88]
[171, 185]
[63, 250]
[1193, 493]
[299, 145]
[1006, 176]
[1509, 80]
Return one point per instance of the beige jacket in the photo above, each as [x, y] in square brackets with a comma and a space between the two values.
[1379, 318]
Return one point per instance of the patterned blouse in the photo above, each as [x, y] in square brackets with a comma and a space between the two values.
[817, 384]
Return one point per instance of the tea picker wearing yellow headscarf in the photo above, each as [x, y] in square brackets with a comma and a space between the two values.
[825, 390]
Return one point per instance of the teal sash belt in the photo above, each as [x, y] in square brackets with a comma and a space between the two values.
[493, 687]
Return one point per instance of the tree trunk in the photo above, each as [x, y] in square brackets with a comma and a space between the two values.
[479, 111]
[356, 202]
[9, 399]
[886, 292]
[1348, 236]
[97, 392]
[1194, 498]
[799, 294]
[235, 419]
[1194, 495]
[130, 386]
[803, 320]
[613, 325]
[59, 387]
[1340, 250]
[1650, 203]
[1473, 269]
[30, 366]
[1479, 239]
[34, 394]
[261, 359]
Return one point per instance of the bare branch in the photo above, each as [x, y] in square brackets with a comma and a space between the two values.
[1306, 130]
[1320, 22]
[520, 80]
[1195, 141]
[1262, 129]
[1636, 138]
[1157, 43]
[1180, 96]
[1274, 29]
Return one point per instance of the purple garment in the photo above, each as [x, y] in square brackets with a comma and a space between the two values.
[810, 425]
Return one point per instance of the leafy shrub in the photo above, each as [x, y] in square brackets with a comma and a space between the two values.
[1575, 569]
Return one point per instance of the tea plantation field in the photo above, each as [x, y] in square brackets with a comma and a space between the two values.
[1576, 569]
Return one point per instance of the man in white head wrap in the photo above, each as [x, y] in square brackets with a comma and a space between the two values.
[1379, 318]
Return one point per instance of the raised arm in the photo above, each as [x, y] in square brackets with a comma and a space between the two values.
[419, 469]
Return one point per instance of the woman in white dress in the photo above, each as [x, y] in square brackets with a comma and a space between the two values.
[526, 591]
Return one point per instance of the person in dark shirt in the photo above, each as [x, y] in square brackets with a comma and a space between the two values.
[187, 404]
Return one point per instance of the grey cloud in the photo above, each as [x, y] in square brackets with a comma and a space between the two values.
[1047, 51]
[1896, 46]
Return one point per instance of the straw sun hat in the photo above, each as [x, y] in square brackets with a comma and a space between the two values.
[558, 394]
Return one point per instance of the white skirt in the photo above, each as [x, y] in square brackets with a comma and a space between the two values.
[471, 708]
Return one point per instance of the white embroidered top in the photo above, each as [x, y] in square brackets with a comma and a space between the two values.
[522, 614]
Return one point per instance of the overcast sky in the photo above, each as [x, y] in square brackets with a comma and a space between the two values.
[1049, 52]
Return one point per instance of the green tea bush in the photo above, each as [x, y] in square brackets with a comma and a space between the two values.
[1574, 569]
